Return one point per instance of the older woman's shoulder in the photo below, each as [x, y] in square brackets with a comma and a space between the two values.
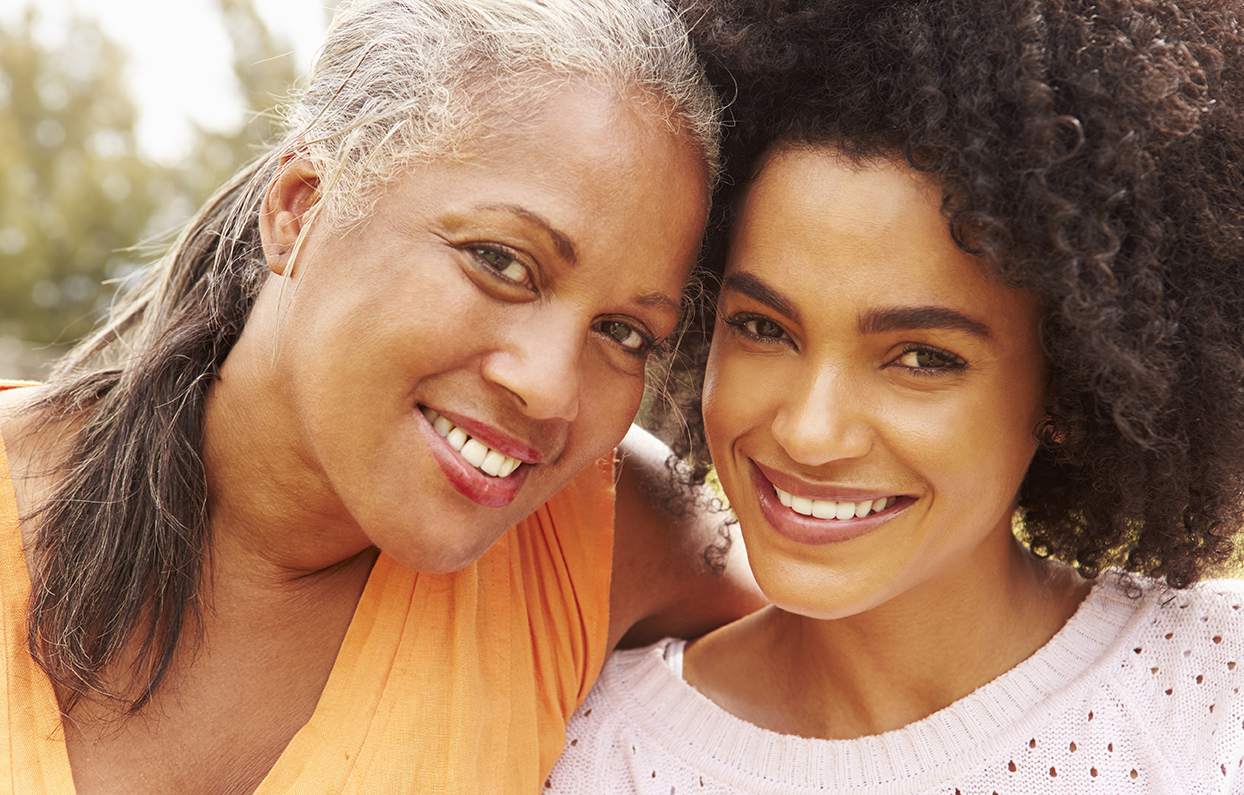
[16, 419]
[29, 444]
[16, 394]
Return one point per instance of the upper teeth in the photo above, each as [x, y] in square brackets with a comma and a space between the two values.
[476, 453]
[832, 509]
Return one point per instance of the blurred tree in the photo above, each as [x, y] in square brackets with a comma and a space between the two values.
[74, 192]
[265, 70]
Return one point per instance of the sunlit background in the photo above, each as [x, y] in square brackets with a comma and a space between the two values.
[117, 118]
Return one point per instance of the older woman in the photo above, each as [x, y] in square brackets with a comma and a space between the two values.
[329, 505]
[985, 272]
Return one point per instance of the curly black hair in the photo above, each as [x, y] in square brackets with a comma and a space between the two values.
[1094, 152]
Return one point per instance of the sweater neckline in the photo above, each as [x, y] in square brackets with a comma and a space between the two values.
[998, 712]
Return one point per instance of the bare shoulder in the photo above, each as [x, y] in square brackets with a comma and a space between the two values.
[17, 423]
[679, 566]
[655, 487]
[30, 447]
[15, 397]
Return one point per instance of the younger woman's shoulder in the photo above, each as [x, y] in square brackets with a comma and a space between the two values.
[1201, 603]
[1210, 607]
[1186, 641]
[1209, 615]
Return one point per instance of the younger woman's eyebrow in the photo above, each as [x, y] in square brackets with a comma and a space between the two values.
[873, 321]
[752, 287]
[916, 318]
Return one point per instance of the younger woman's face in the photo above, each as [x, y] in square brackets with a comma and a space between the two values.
[872, 390]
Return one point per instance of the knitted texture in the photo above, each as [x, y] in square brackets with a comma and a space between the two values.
[1136, 694]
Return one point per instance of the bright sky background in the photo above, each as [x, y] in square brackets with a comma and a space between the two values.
[178, 67]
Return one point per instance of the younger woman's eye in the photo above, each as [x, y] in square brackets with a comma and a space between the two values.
[631, 340]
[504, 263]
[928, 358]
[757, 327]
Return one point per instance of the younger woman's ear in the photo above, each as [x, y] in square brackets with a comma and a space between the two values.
[292, 194]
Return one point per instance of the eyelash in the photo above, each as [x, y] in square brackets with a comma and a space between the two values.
[480, 253]
[954, 364]
[648, 347]
[739, 323]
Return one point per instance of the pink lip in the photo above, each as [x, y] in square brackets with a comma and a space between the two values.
[817, 491]
[808, 529]
[506, 445]
[470, 482]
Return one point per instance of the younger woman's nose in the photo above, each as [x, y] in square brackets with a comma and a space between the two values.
[824, 419]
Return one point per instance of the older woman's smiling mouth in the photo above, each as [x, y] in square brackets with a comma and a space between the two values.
[481, 463]
[476, 453]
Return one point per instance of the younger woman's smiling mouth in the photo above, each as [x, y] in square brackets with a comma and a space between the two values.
[810, 514]
[840, 510]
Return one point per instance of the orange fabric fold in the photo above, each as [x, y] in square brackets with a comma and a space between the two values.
[459, 683]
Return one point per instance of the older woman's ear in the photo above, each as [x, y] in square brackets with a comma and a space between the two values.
[291, 196]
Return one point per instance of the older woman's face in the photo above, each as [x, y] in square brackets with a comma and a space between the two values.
[872, 391]
[451, 364]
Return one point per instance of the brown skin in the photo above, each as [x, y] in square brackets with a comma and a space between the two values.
[661, 585]
[313, 450]
[878, 620]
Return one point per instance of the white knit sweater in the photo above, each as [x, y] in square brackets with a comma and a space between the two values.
[1131, 696]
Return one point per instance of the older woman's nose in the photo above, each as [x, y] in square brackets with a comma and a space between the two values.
[540, 364]
[825, 418]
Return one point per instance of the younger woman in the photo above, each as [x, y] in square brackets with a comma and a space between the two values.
[985, 274]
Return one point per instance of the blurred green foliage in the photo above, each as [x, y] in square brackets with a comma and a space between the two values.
[75, 189]
[264, 67]
[76, 193]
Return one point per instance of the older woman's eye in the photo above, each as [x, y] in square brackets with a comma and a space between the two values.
[625, 336]
[926, 357]
[505, 264]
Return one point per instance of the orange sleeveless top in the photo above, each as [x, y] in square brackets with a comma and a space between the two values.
[453, 683]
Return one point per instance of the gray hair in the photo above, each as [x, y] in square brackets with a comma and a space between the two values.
[401, 81]
[120, 544]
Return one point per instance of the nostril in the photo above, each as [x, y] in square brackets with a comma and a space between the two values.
[541, 392]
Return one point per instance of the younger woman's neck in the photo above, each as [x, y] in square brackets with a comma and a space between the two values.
[889, 666]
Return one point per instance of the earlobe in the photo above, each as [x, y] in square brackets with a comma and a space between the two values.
[285, 211]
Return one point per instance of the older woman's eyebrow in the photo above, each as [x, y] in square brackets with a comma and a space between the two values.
[658, 299]
[565, 248]
[753, 287]
[916, 318]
